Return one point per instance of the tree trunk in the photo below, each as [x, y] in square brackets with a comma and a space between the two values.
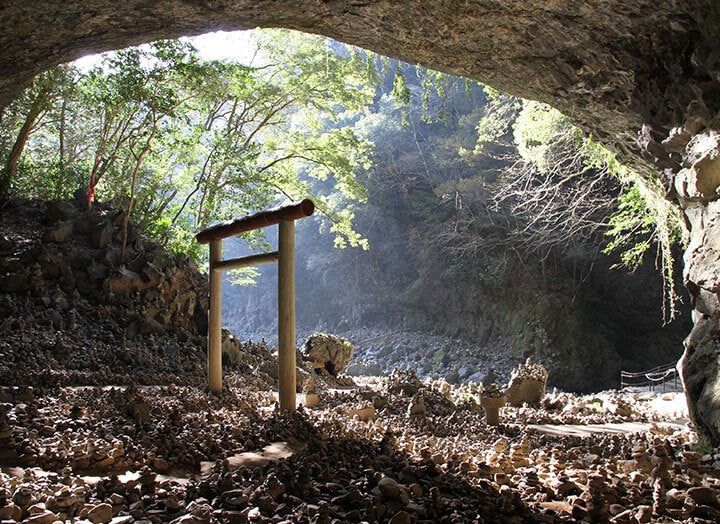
[138, 163]
[10, 169]
[61, 138]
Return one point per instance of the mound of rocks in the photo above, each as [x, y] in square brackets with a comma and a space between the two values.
[527, 385]
[72, 312]
[328, 352]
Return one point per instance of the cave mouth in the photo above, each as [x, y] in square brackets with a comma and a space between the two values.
[643, 81]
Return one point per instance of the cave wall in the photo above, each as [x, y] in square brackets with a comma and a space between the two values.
[643, 76]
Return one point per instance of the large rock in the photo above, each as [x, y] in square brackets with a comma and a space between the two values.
[60, 233]
[527, 385]
[102, 235]
[330, 352]
[100, 513]
[125, 282]
[58, 210]
[699, 366]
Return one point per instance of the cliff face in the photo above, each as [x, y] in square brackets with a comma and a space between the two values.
[643, 76]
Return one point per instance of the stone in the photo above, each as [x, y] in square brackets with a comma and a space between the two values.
[368, 369]
[139, 410]
[401, 517]
[154, 275]
[476, 377]
[404, 382]
[625, 517]
[160, 465]
[527, 385]
[311, 400]
[389, 488]
[643, 513]
[125, 282]
[126, 519]
[703, 495]
[492, 405]
[13, 283]
[58, 210]
[328, 352]
[46, 517]
[100, 513]
[364, 413]
[416, 408]
[452, 378]
[146, 325]
[60, 233]
[11, 512]
[102, 235]
[97, 271]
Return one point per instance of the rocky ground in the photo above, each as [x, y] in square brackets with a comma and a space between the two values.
[392, 449]
[378, 351]
[104, 416]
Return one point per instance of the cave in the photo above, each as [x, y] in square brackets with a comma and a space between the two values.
[643, 77]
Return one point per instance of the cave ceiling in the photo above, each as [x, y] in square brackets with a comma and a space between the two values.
[630, 71]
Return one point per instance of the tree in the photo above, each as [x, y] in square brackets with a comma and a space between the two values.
[178, 141]
[36, 101]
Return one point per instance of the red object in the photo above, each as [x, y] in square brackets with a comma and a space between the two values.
[91, 186]
[91, 189]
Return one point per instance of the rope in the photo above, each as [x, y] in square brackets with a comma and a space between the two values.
[656, 375]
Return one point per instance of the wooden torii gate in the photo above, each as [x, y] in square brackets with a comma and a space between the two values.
[285, 216]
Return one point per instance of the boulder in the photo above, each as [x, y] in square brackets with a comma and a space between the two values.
[124, 283]
[60, 233]
[329, 352]
[452, 378]
[527, 385]
[311, 400]
[102, 235]
[59, 210]
[363, 413]
[100, 513]
[145, 325]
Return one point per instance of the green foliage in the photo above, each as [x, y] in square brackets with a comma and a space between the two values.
[537, 130]
[400, 92]
[193, 141]
[643, 217]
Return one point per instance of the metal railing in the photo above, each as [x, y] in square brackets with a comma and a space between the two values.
[657, 377]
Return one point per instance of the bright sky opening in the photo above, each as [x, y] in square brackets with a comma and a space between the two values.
[235, 46]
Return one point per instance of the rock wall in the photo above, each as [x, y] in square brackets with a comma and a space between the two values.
[643, 76]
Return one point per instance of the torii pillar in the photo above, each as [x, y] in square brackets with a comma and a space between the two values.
[285, 216]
